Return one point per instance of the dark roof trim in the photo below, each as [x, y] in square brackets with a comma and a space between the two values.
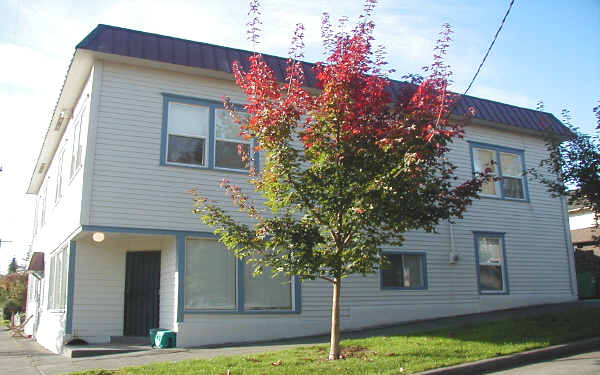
[149, 46]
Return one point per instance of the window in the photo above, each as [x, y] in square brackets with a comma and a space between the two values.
[43, 204]
[216, 280]
[228, 142]
[59, 177]
[491, 264]
[506, 164]
[35, 216]
[77, 146]
[200, 133]
[57, 292]
[403, 271]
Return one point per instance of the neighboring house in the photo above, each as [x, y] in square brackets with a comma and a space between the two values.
[584, 234]
[582, 222]
[140, 121]
[35, 280]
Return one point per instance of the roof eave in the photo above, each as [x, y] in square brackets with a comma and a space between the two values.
[507, 127]
[75, 79]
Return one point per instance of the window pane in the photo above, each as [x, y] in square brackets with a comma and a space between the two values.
[210, 276]
[511, 165]
[227, 156]
[186, 150]
[484, 159]
[64, 278]
[265, 292]
[489, 187]
[52, 280]
[413, 271]
[513, 187]
[188, 119]
[403, 270]
[489, 250]
[225, 128]
[392, 270]
[490, 278]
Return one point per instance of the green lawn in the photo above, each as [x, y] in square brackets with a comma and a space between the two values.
[398, 354]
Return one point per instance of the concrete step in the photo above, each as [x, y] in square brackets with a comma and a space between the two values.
[98, 350]
[130, 340]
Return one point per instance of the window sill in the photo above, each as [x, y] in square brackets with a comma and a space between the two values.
[492, 293]
[56, 311]
[200, 167]
[246, 312]
[503, 198]
[396, 288]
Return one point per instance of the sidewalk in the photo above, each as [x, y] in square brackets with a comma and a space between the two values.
[25, 356]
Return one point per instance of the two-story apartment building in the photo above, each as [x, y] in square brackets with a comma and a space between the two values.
[140, 121]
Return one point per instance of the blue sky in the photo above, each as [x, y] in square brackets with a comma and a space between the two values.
[548, 50]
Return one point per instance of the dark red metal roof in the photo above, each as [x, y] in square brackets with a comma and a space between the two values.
[133, 43]
[37, 262]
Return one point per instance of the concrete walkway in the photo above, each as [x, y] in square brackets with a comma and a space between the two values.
[25, 356]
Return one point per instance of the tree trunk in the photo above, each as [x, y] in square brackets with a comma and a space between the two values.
[334, 350]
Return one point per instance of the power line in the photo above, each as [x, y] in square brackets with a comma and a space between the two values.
[490, 48]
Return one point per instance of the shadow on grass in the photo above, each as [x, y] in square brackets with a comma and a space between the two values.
[555, 324]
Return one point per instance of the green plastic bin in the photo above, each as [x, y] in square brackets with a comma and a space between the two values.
[153, 332]
[165, 339]
[586, 285]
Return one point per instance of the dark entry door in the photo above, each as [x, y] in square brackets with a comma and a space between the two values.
[142, 286]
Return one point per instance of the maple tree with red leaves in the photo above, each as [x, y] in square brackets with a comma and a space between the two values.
[347, 169]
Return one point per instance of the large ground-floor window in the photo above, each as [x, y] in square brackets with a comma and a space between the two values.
[216, 280]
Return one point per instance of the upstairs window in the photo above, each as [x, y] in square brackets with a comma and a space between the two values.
[188, 134]
[59, 176]
[200, 133]
[505, 164]
[77, 150]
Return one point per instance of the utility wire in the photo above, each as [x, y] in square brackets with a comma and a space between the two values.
[490, 48]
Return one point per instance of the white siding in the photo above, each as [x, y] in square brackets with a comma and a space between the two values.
[131, 189]
[168, 285]
[98, 304]
[62, 217]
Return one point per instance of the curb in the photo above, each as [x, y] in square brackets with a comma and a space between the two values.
[517, 359]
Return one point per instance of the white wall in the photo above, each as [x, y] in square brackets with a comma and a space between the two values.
[62, 216]
[34, 303]
[131, 189]
[98, 304]
[581, 219]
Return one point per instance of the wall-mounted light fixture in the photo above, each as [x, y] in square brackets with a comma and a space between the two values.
[98, 236]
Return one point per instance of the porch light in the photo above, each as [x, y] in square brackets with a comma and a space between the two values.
[98, 236]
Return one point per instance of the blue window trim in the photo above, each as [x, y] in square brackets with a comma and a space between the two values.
[500, 235]
[211, 142]
[181, 240]
[404, 252]
[498, 150]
